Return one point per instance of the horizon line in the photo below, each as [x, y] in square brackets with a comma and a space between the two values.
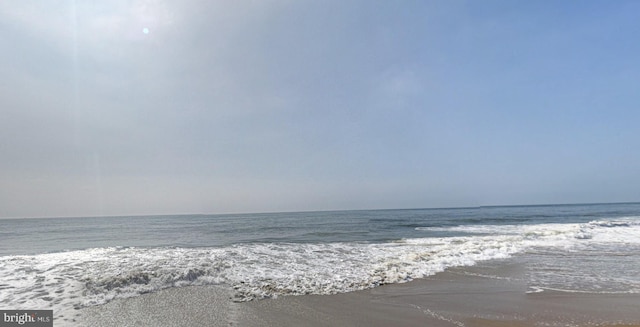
[329, 210]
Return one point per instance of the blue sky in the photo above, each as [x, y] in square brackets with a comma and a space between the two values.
[251, 106]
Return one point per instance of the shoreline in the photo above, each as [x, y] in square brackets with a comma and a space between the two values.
[490, 294]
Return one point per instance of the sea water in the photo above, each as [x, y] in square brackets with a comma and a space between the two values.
[69, 263]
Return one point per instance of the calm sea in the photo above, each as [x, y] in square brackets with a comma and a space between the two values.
[66, 263]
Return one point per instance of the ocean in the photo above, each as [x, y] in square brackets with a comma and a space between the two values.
[66, 264]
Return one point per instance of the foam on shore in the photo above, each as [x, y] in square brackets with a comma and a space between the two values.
[480, 296]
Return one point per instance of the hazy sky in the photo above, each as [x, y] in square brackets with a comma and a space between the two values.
[159, 107]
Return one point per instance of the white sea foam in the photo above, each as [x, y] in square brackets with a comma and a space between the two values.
[623, 230]
[596, 257]
[89, 277]
[74, 279]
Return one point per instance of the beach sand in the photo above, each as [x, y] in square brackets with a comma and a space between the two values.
[487, 295]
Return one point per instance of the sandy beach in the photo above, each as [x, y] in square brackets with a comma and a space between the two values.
[478, 296]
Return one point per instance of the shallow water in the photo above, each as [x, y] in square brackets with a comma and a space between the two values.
[67, 263]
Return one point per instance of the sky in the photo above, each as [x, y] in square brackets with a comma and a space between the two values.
[168, 107]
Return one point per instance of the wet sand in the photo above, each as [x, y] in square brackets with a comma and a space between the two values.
[478, 296]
